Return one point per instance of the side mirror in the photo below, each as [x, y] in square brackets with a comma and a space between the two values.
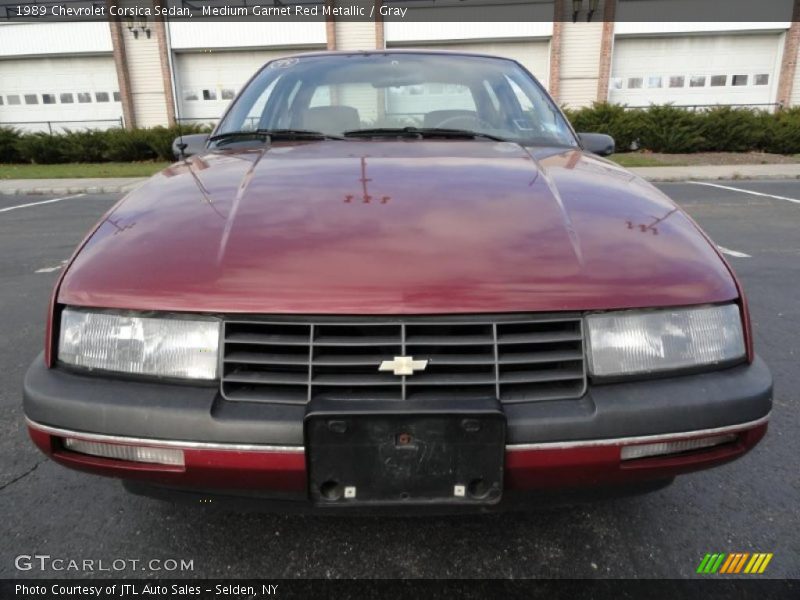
[597, 143]
[189, 145]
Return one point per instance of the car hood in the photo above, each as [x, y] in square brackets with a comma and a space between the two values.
[400, 227]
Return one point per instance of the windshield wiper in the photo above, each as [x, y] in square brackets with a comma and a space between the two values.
[421, 132]
[270, 135]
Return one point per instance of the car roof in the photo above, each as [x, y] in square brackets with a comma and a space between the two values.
[386, 51]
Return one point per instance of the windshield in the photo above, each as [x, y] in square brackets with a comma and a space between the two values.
[335, 94]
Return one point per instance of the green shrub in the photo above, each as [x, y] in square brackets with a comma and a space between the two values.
[126, 145]
[727, 129]
[43, 148]
[665, 128]
[662, 128]
[9, 138]
[84, 146]
[782, 132]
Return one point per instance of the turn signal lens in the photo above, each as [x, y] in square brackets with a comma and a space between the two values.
[142, 454]
[676, 447]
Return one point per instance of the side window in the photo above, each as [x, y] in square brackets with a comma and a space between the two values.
[253, 117]
[84, 97]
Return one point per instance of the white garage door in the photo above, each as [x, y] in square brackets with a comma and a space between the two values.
[41, 94]
[722, 69]
[208, 81]
[534, 55]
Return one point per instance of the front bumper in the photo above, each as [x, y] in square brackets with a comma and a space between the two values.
[253, 447]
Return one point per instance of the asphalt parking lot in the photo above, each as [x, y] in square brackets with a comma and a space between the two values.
[751, 505]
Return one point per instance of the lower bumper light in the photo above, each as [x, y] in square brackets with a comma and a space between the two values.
[662, 448]
[142, 454]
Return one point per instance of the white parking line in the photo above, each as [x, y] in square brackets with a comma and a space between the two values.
[735, 189]
[735, 253]
[51, 269]
[8, 208]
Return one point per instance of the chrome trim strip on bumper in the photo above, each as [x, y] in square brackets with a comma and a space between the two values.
[187, 445]
[298, 449]
[642, 439]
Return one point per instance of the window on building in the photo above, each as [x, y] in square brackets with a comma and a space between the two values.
[634, 83]
[117, 97]
[762, 79]
[718, 80]
[13, 99]
[616, 83]
[654, 81]
[739, 80]
[101, 96]
[228, 93]
[210, 94]
[66, 98]
[189, 95]
[48, 98]
[677, 81]
[84, 97]
[1, 101]
[31, 99]
[697, 81]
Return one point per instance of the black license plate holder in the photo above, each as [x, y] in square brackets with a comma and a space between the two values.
[405, 458]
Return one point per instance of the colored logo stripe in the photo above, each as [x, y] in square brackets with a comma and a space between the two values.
[734, 563]
[710, 563]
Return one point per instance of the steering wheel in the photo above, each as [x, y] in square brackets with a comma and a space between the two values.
[468, 119]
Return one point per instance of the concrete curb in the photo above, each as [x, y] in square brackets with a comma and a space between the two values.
[58, 187]
[122, 185]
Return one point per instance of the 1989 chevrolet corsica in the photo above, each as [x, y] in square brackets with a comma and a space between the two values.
[396, 279]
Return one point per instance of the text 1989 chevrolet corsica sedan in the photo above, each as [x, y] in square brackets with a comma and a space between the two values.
[396, 279]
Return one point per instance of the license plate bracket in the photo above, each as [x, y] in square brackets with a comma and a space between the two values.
[405, 458]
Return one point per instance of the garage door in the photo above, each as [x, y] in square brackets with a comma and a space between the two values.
[41, 94]
[208, 81]
[723, 69]
[534, 55]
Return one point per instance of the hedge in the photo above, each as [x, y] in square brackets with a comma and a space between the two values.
[666, 128]
[659, 128]
[91, 145]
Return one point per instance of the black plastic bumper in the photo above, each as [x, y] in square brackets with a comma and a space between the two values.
[144, 409]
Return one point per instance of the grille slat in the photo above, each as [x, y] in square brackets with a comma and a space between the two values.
[295, 359]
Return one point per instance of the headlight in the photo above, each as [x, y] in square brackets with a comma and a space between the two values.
[164, 347]
[631, 342]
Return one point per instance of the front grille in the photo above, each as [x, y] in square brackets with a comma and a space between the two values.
[511, 357]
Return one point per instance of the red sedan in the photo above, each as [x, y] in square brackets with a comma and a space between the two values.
[396, 279]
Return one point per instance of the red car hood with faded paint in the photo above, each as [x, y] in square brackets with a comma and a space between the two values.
[400, 227]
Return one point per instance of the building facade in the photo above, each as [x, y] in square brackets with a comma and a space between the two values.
[142, 73]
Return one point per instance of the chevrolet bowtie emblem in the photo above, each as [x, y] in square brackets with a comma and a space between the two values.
[403, 365]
